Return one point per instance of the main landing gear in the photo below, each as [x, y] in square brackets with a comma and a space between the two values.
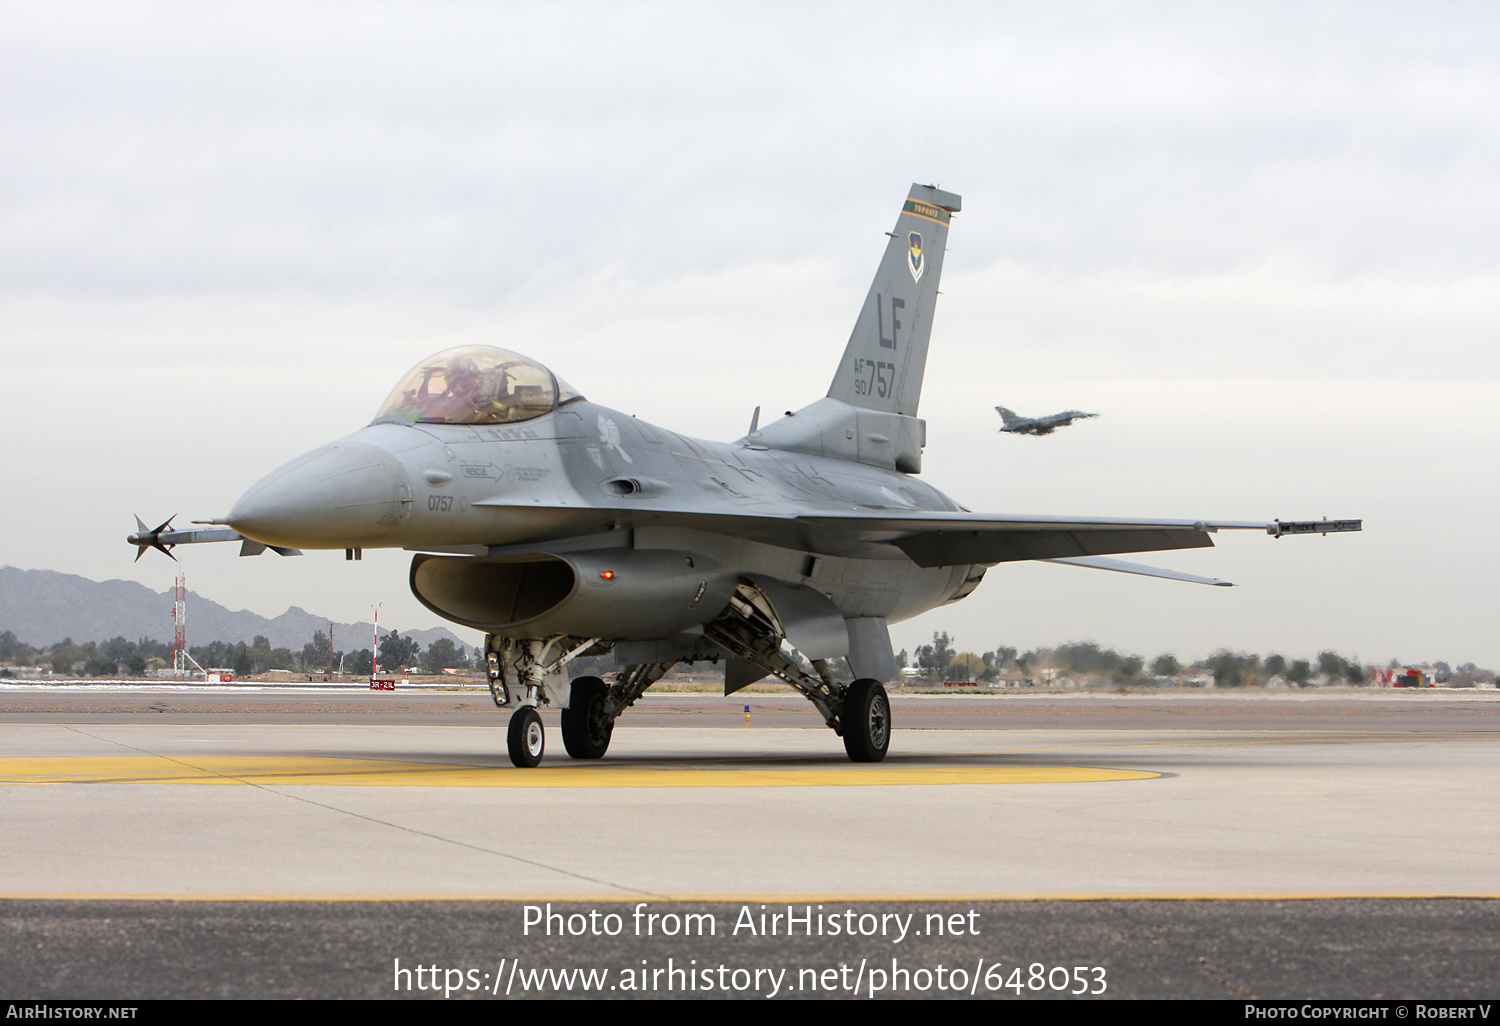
[866, 719]
[859, 712]
[526, 673]
[586, 723]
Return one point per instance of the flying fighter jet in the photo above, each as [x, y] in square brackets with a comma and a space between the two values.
[562, 528]
[1019, 425]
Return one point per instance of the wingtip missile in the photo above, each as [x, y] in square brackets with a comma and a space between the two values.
[1280, 528]
[164, 539]
[144, 538]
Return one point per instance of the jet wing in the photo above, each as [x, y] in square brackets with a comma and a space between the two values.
[948, 539]
[928, 538]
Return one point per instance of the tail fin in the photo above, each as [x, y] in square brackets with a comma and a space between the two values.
[887, 353]
[1006, 416]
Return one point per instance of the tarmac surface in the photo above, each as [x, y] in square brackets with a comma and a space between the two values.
[295, 842]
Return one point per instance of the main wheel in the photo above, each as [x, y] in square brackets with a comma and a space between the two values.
[526, 739]
[586, 726]
[866, 719]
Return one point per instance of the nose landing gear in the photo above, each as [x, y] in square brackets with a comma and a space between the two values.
[524, 665]
[526, 670]
[526, 739]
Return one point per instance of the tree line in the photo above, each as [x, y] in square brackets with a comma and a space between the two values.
[941, 661]
[121, 657]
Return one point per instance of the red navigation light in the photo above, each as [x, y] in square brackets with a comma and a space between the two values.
[608, 575]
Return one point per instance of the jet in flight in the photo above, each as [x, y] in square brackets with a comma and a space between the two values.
[1016, 424]
[561, 528]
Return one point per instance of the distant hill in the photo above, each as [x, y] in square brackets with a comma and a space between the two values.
[43, 606]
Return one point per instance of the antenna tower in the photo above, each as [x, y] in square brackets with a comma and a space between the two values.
[179, 628]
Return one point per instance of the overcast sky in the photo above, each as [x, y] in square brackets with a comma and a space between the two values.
[1259, 239]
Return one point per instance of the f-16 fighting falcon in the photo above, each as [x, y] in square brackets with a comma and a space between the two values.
[1014, 423]
[561, 528]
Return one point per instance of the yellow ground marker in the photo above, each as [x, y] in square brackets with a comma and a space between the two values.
[286, 770]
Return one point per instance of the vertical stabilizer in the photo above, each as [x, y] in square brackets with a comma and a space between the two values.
[887, 353]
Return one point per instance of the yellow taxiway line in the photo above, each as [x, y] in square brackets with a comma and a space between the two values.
[309, 770]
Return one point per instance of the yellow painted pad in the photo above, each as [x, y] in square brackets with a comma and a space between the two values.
[230, 769]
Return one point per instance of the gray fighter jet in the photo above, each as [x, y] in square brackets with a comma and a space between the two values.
[561, 528]
[1016, 424]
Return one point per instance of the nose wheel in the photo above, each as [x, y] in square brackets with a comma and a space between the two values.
[526, 739]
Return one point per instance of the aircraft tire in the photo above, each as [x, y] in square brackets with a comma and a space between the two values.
[866, 719]
[526, 739]
[585, 729]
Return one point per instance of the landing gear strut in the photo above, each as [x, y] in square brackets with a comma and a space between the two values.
[860, 712]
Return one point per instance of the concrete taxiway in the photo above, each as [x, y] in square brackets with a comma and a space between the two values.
[1220, 845]
[1349, 794]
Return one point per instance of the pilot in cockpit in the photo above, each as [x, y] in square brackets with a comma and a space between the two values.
[475, 385]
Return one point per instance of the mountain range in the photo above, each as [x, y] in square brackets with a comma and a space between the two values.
[41, 607]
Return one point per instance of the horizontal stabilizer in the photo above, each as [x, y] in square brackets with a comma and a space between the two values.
[1120, 566]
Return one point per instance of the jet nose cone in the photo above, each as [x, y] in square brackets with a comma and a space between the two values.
[343, 495]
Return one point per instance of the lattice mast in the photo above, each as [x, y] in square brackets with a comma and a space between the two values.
[179, 630]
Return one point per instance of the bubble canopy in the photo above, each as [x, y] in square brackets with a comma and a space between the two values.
[475, 385]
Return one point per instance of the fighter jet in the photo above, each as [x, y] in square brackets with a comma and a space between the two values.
[563, 528]
[1016, 424]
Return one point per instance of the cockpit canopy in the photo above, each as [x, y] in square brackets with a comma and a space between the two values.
[475, 385]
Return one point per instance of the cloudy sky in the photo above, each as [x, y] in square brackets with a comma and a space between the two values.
[1259, 239]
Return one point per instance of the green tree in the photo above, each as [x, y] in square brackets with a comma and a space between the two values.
[117, 650]
[1001, 657]
[317, 653]
[64, 655]
[1332, 665]
[934, 658]
[1232, 669]
[965, 666]
[153, 649]
[361, 662]
[396, 651]
[14, 650]
[1165, 665]
[443, 654]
